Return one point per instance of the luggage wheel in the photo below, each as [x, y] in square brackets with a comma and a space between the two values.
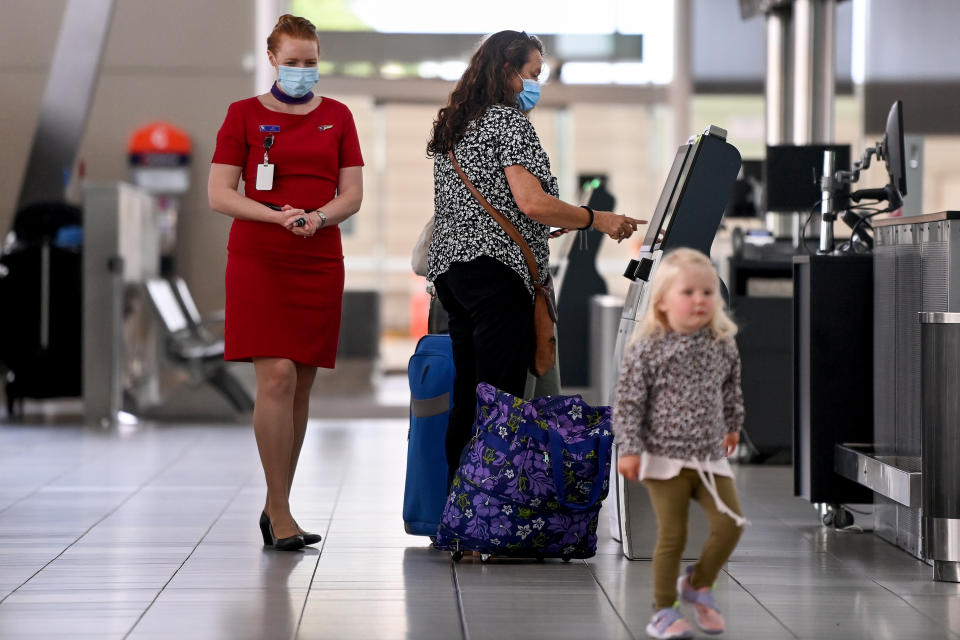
[485, 558]
[837, 516]
[566, 558]
[456, 555]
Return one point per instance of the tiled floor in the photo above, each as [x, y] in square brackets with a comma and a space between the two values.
[151, 533]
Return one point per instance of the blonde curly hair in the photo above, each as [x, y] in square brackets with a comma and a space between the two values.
[673, 264]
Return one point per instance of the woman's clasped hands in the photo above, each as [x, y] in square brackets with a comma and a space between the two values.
[299, 222]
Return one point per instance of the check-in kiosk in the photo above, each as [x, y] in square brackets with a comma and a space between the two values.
[688, 214]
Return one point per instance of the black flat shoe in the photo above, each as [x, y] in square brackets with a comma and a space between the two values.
[281, 544]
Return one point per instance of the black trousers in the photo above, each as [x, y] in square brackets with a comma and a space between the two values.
[491, 328]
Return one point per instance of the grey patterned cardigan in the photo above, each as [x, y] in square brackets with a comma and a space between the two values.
[678, 396]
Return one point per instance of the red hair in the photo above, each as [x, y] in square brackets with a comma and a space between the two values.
[293, 27]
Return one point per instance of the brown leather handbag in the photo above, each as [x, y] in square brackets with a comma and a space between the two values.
[544, 302]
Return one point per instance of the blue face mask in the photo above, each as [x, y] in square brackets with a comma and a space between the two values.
[297, 81]
[527, 99]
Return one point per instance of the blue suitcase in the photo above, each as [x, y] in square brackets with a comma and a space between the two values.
[430, 372]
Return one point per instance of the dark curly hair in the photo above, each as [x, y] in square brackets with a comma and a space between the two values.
[484, 83]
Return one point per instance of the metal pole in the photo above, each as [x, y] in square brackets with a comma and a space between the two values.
[777, 94]
[824, 78]
[74, 73]
[803, 68]
[103, 342]
[826, 202]
[681, 88]
[814, 76]
[814, 52]
[779, 98]
[265, 14]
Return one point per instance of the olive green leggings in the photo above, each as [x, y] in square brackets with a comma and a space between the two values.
[671, 502]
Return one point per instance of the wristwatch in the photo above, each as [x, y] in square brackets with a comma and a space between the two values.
[323, 219]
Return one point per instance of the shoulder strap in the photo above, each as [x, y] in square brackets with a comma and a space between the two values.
[502, 221]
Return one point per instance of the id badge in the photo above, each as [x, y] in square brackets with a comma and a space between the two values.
[264, 177]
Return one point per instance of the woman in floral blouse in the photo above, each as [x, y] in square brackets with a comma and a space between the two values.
[478, 271]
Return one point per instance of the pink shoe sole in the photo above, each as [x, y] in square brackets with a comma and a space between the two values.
[667, 624]
[708, 620]
[706, 614]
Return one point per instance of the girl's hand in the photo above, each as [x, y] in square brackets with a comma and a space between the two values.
[556, 233]
[629, 467]
[614, 225]
[730, 442]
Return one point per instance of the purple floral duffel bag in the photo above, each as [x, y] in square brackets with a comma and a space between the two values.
[531, 481]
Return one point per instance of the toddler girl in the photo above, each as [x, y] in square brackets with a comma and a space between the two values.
[678, 414]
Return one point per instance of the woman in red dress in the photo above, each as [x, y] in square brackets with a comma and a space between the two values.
[299, 159]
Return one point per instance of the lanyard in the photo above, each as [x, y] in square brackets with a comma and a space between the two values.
[267, 145]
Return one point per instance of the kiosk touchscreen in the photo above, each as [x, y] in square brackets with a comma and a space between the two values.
[688, 214]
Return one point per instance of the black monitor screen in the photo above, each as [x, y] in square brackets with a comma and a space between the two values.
[791, 175]
[747, 198]
[667, 201]
[893, 148]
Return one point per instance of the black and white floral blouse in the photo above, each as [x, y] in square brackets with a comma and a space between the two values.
[500, 137]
